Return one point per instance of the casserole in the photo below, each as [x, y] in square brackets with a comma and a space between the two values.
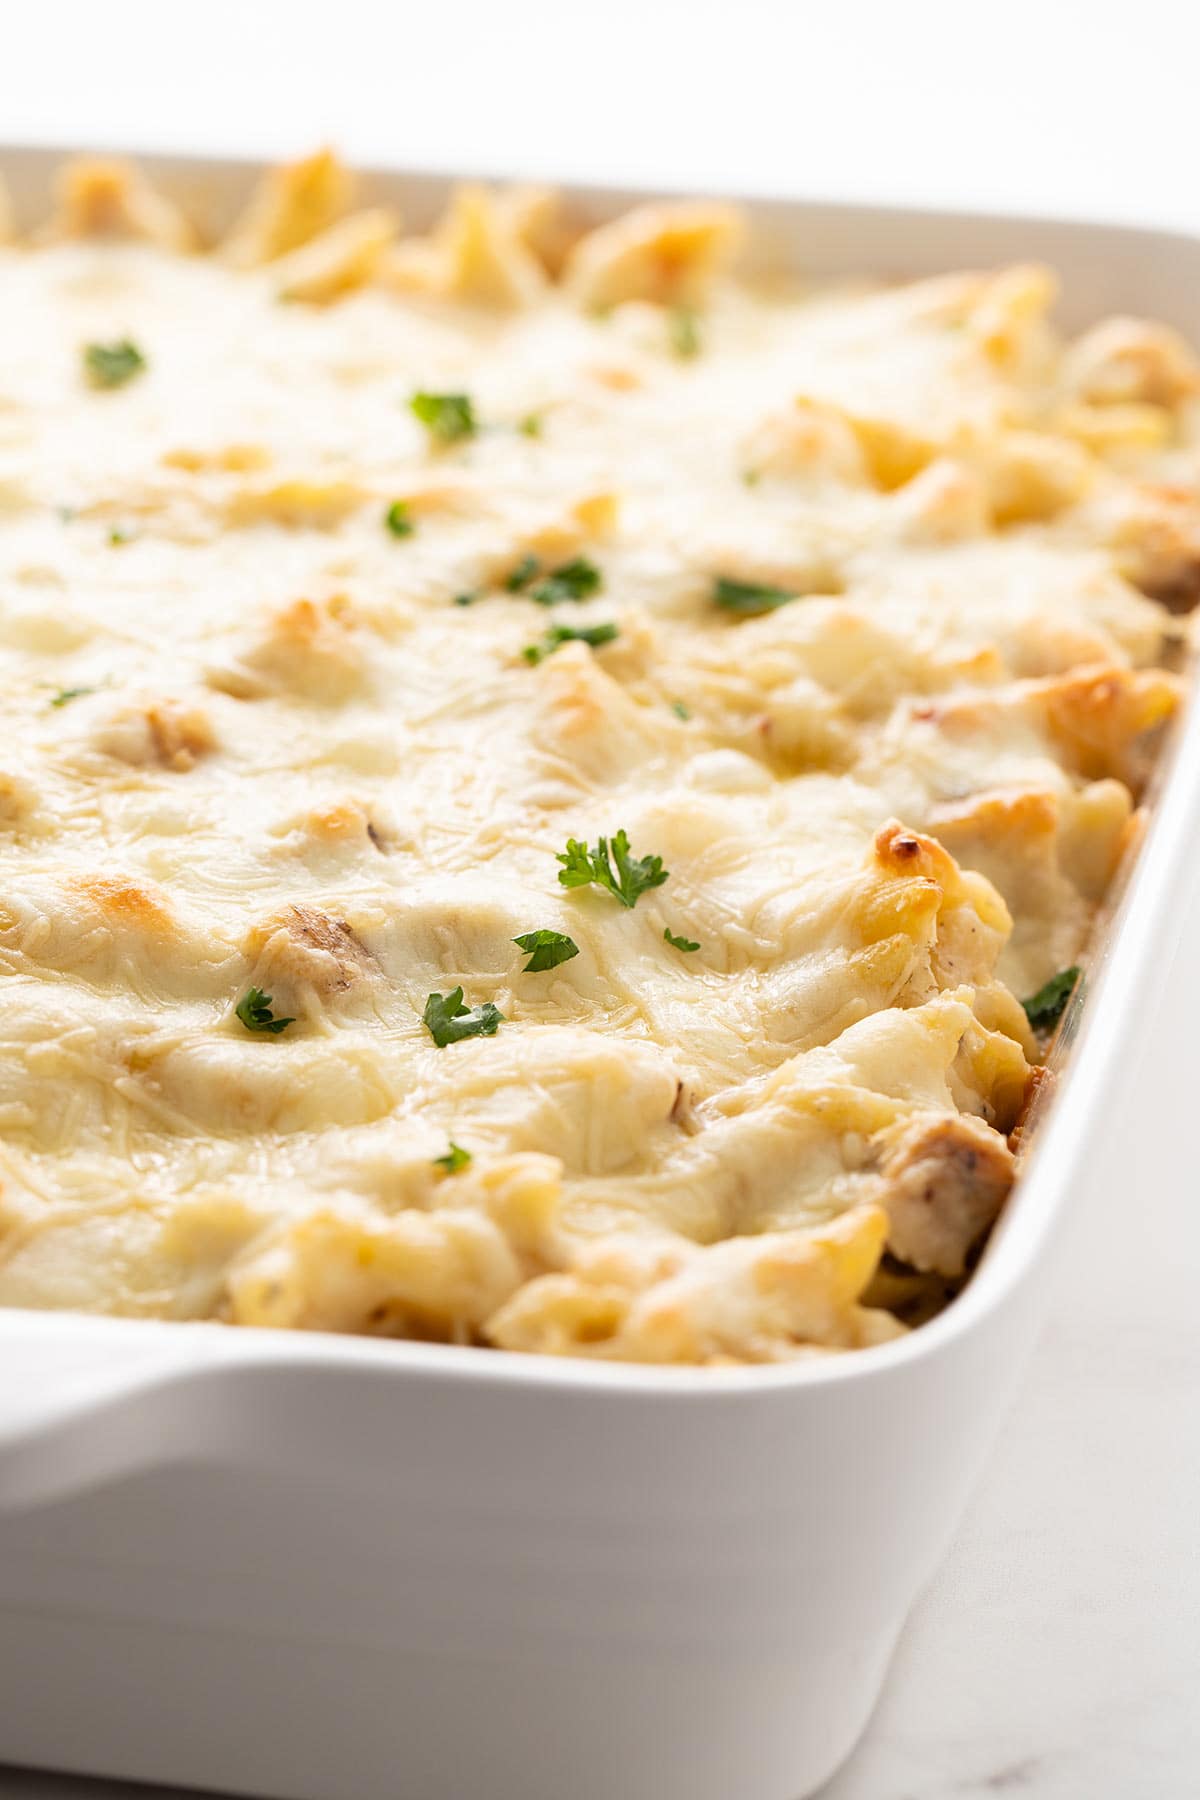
[606, 1619]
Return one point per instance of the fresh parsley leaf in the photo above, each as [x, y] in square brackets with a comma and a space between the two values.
[749, 597]
[465, 599]
[578, 579]
[680, 710]
[683, 328]
[531, 425]
[66, 694]
[521, 576]
[679, 943]
[397, 520]
[448, 1019]
[456, 1158]
[546, 949]
[632, 876]
[254, 1010]
[446, 417]
[112, 365]
[595, 635]
[1045, 1008]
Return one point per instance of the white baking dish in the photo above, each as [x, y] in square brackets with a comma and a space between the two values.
[338, 1569]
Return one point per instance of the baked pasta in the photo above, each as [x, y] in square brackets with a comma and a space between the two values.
[551, 795]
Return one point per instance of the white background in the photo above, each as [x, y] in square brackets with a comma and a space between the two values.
[1058, 1654]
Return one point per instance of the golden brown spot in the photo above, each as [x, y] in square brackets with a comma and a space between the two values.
[17, 802]
[907, 853]
[619, 377]
[124, 901]
[340, 823]
[1020, 813]
[1108, 718]
[228, 459]
[300, 503]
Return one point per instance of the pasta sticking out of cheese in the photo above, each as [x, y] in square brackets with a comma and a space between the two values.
[538, 773]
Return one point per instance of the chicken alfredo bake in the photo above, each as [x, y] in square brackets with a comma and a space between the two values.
[551, 797]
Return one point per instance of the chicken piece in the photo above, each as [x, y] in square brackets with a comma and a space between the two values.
[304, 951]
[943, 1179]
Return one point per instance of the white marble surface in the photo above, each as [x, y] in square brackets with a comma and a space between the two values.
[1057, 1654]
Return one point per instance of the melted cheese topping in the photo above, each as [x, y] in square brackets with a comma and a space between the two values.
[251, 741]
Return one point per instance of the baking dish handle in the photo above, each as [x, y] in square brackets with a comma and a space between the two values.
[75, 1411]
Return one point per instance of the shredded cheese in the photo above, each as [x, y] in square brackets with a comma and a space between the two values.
[273, 774]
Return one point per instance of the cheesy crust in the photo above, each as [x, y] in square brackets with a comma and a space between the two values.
[856, 609]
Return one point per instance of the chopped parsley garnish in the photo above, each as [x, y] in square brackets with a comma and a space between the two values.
[254, 1010]
[595, 635]
[632, 877]
[66, 694]
[578, 579]
[112, 365]
[531, 425]
[116, 535]
[397, 520]
[468, 599]
[446, 417]
[749, 597]
[680, 710]
[448, 1019]
[456, 1158]
[520, 577]
[679, 943]
[546, 949]
[1045, 1008]
[683, 328]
